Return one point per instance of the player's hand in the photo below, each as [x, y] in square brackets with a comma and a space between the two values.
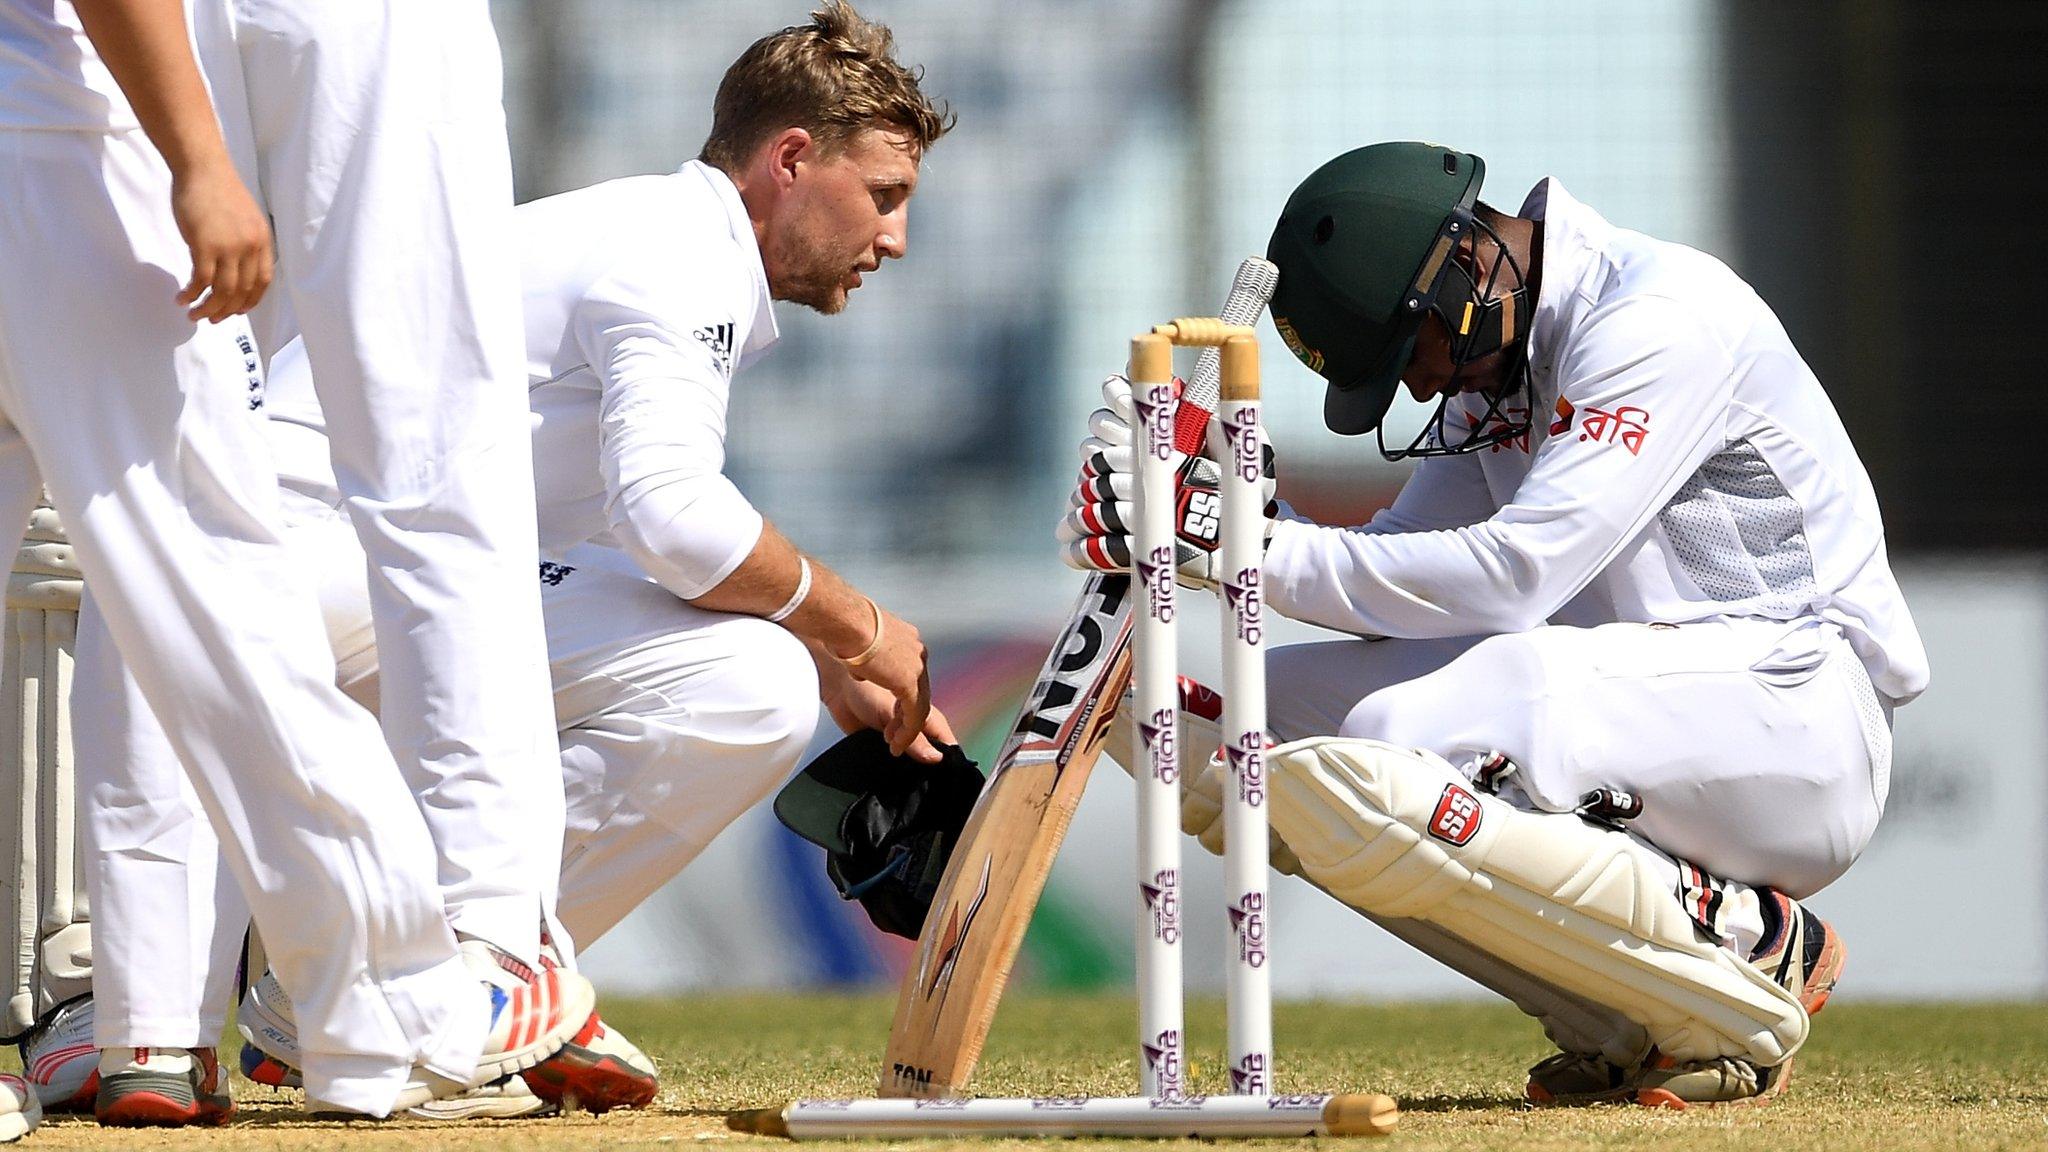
[856, 705]
[229, 239]
[1095, 533]
[1203, 775]
[901, 667]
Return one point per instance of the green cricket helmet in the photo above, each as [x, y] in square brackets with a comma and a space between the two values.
[1364, 249]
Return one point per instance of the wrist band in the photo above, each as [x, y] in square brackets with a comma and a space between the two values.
[874, 646]
[796, 598]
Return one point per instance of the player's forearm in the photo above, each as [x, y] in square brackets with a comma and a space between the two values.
[145, 46]
[1423, 585]
[1578, 507]
[832, 614]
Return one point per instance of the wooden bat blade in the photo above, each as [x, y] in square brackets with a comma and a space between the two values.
[993, 880]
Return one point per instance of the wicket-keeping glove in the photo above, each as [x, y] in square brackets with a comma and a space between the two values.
[1095, 534]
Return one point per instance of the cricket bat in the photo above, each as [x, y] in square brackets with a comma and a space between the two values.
[992, 882]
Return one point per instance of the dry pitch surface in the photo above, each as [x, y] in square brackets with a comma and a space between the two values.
[1875, 1077]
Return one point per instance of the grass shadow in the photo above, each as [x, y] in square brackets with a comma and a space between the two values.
[1474, 1103]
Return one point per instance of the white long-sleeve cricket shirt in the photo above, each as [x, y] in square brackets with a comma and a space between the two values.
[643, 297]
[1685, 465]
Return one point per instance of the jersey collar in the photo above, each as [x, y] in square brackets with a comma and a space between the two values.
[1574, 241]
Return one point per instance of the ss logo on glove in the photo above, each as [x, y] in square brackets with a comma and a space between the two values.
[1201, 517]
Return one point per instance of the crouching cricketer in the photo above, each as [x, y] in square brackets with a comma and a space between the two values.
[1628, 645]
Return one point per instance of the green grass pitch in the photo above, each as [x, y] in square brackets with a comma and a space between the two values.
[1874, 1077]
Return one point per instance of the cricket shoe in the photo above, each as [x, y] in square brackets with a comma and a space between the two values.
[60, 1060]
[20, 1111]
[532, 1016]
[1724, 1080]
[271, 1054]
[1800, 951]
[598, 1069]
[530, 1022]
[161, 1088]
[507, 1099]
[1571, 1080]
[1805, 955]
[270, 1034]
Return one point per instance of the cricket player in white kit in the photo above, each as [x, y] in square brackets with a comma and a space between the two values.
[145, 435]
[374, 135]
[1639, 573]
[690, 642]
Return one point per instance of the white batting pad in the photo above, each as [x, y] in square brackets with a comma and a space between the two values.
[1571, 1022]
[49, 949]
[1397, 832]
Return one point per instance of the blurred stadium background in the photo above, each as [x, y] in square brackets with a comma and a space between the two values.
[1870, 166]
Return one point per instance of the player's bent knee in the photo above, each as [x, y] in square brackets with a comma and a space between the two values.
[1400, 833]
[774, 671]
[753, 702]
[1379, 717]
[1409, 715]
[1500, 673]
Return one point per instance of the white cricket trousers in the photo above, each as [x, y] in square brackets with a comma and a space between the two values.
[674, 721]
[376, 134]
[1758, 747]
[140, 424]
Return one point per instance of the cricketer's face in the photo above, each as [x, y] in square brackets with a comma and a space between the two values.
[846, 211]
[1431, 374]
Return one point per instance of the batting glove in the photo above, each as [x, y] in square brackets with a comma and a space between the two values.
[1095, 534]
[1198, 733]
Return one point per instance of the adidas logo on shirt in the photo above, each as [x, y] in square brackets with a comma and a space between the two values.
[718, 338]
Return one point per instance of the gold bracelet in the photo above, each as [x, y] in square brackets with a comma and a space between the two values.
[874, 646]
